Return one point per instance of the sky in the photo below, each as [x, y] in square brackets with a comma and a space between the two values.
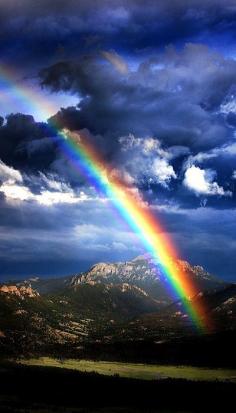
[153, 87]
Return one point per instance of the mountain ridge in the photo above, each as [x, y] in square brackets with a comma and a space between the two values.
[141, 271]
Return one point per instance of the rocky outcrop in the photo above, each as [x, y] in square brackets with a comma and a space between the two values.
[19, 291]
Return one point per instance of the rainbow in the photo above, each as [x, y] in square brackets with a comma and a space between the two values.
[24, 93]
[132, 209]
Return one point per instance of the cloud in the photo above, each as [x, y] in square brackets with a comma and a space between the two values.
[61, 240]
[226, 151]
[8, 173]
[202, 182]
[149, 124]
[161, 97]
[145, 161]
[51, 192]
[118, 240]
[46, 31]
[163, 172]
[26, 144]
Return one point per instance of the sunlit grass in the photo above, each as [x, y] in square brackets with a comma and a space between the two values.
[138, 371]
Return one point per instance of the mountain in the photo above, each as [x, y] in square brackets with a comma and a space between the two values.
[108, 303]
[141, 272]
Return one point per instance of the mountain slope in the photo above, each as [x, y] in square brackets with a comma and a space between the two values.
[30, 321]
[108, 303]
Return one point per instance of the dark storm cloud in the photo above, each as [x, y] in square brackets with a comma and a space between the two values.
[45, 31]
[33, 147]
[26, 144]
[164, 97]
[182, 99]
[162, 103]
[206, 13]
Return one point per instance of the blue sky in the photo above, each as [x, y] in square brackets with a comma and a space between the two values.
[154, 88]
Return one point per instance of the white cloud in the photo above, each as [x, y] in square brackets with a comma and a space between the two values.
[147, 146]
[202, 182]
[229, 104]
[52, 191]
[225, 150]
[163, 171]
[15, 191]
[51, 198]
[234, 174]
[147, 161]
[229, 149]
[8, 173]
[53, 184]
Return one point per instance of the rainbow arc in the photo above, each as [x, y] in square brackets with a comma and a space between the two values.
[86, 159]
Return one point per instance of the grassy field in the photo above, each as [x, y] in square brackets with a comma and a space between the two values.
[138, 371]
[48, 386]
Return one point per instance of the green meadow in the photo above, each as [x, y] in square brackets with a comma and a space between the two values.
[137, 371]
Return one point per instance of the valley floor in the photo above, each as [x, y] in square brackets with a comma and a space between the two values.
[137, 370]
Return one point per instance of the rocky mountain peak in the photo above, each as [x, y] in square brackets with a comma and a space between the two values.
[130, 271]
[141, 270]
